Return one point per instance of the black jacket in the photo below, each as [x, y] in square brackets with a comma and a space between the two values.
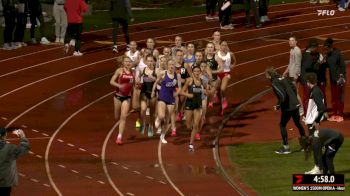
[336, 64]
[286, 94]
[317, 95]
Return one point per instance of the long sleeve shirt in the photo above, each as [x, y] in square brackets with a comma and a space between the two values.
[316, 107]
[336, 64]
[294, 65]
[121, 9]
[9, 153]
[286, 94]
[74, 10]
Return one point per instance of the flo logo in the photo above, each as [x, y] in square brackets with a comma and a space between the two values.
[325, 12]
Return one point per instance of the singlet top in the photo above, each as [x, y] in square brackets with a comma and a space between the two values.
[167, 89]
[213, 65]
[205, 82]
[226, 60]
[197, 91]
[134, 56]
[190, 60]
[182, 71]
[127, 79]
[147, 82]
[140, 67]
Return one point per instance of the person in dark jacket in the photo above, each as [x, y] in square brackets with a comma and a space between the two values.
[337, 71]
[309, 64]
[9, 153]
[121, 14]
[35, 12]
[9, 11]
[21, 18]
[316, 108]
[329, 139]
[288, 103]
[251, 5]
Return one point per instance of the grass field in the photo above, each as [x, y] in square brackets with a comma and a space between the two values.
[271, 174]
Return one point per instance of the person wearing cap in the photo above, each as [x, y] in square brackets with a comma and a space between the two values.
[337, 72]
[9, 153]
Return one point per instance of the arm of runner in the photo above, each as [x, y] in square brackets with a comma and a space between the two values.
[114, 78]
[234, 60]
[183, 90]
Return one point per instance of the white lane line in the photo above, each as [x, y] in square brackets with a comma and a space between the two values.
[47, 152]
[34, 180]
[60, 140]
[24, 55]
[150, 177]
[30, 152]
[21, 174]
[34, 130]
[137, 172]
[114, 163]
[3, 118]
[101, 182]
[71, 145]
[74, 171]
[103, 160]
[46, 185]
[39, 156]
[23, 126]
[162, 182]
[55, 95]
[160, 160]
[55, 75]
[29, 138]
[44, 134]
[62, 166]
[88, 177]
[82, 149]
[95, 155]
[128, 193]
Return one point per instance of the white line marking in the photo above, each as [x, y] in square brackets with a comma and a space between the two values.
[39, 156]
[131, 194]
[71, 145]
[34, 130]
[160, 160]
[125, 168]
[23, 175]
[95, 155]
[62, 166]
[150, 177]
[46, 185]
[44, 134]
[57, 94]
[74, 171]
[101, 182]
[114, 163]
[3, 118]
[34, 180]
[19, 56]
[30, 152]
[47, 152]
[23, 126]
[162, 182]
[89, 177]
[137, 172]
[60, 140]
[55, 75]
[82, 149]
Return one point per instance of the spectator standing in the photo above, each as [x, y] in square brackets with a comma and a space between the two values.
[121, 13]
[60, 20]
[35, 12]
[74, 10]
[9, 153]
[9, 11]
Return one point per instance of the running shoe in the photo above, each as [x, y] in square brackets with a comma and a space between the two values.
[210, 104]
[315, 170]
[333, 118]
[66, 48]
[339, 119]
[7, 46]
[57, 40]
[137, 123]
[283, 151]
[77, 53]
[162, 138]
[191, 148]
[197, 136]
[115, 49]
[173, 133]
[119, 141]
[179, 116]
[44, 41]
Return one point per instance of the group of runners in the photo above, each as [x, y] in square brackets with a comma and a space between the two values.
[177, 84]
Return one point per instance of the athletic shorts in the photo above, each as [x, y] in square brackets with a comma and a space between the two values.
[223, 74]
[192, 105]
[121, 99]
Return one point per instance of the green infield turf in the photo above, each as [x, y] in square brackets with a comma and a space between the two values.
[268, 173]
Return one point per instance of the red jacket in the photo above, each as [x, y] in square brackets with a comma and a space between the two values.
[74, 9]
